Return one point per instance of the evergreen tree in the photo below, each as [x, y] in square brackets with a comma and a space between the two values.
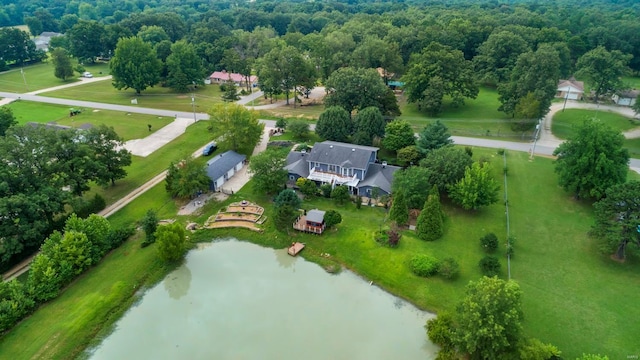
[399, 209]
[429, 225]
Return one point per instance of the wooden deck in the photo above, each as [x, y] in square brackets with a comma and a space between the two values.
[295, 248]
[302, 225]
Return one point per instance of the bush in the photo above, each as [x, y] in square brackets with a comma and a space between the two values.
[281, 123]
[489, 242]
[299, 129]
[468, 150]
[149, 225]
[116, 237]
[172, 242]
[440, 330]
[500, 151]
[510, 241]
[393, 237]
[424, 265]
[332, 218]
[490, 266]
[326, 190]
[449, 268]
[84, 208]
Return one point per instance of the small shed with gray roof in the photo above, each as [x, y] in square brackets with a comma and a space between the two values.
[222, 167]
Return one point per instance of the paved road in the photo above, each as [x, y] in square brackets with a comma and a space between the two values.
[103, 106]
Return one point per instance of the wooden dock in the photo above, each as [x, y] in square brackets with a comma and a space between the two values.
[295, 248]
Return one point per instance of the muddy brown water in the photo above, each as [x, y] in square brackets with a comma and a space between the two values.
[237, 300]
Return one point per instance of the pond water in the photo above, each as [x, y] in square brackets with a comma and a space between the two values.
[237, 300]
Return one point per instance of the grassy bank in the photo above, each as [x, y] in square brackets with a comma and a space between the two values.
[564, 122]
[156, 97]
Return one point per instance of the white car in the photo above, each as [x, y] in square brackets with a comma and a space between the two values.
[87, 74]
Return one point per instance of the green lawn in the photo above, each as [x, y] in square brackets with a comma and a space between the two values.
[564, 122]
[477, 117]
[128, 126]
[633, 145]
[632, 82]
[40, 76]
[155, 97]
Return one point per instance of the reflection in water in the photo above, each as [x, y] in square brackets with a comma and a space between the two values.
[178, 282]
[284, 259]
[231, 300]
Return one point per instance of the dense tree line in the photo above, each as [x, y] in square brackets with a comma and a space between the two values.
[45, 172]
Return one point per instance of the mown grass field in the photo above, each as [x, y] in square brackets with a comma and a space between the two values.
[128, 126]
[564, 122]
[476, 118]
[40, 76]
[155, 97]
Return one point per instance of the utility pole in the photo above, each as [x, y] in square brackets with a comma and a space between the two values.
[24, 79]
[193, 106]
[535, 138]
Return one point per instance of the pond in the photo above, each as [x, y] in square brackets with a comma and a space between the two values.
[237, 300]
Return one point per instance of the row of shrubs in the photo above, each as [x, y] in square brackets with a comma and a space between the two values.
[63, 256]
[426, 266]
[490, 265]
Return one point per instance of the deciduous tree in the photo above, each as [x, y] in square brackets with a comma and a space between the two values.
[134, 65]
[446, 166]
[7, 119]
[489, 319]
[185, 178]
[498, 55]
[85, 39]
[398, 135]
[413, 182]
[62, 64]
[340, 194]
[476, 189]
[236, 127]
[268, 171]
[299, 129]
[602, 69]
[332, 218]
[533, 79]
[616, 216]
[184, 66]
[334, 124]
[355, 89]
[592, 160]
[439, 71]
[109, 154]
[171, 242]
[368, 124]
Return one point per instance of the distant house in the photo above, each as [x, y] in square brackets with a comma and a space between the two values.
[342, 164]
[222, 167]
[221, 77]
[313, 222]
[571, 89]
[626, 98]
[42, 40]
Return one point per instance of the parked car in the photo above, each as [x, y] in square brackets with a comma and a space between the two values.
[209, 149]
[87, 74]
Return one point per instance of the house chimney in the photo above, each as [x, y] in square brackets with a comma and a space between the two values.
[384, 164]
[353, 149]
[303, 151]
[330, 146]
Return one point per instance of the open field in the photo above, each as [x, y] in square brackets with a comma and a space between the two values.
[155, 97]
[477, 118]
[564, 122]
[632, 82]
[40, 76]
[128, 126]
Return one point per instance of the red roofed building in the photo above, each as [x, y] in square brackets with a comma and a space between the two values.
[220, 77]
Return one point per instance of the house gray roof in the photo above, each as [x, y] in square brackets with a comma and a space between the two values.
[379, 175]
[629, 94]
[297, 163]
[337, 153]
[315, 215]
[222, 163]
